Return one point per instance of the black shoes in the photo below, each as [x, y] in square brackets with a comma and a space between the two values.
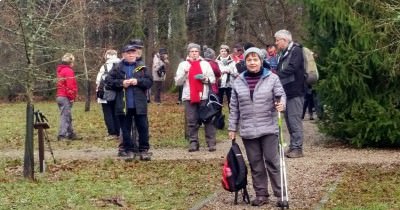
[70, 137]
[129, 155]
[212, 148]
[295, 153]
[145, 155]
[194, 147]
[259, 202]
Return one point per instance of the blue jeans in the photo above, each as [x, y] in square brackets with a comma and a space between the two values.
[142, 127]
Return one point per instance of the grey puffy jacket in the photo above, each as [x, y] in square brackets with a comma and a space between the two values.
[257, 117]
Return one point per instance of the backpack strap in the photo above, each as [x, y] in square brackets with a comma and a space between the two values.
[246, 197]
[236, 198]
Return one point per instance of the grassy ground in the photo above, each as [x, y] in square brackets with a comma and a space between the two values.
[110, 184]
[367, 187]
[166, 125]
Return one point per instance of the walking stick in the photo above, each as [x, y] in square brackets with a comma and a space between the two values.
[284, 202]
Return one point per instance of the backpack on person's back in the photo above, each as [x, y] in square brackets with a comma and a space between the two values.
[311, 75]
[310, 67]
[234, 173]
[103, 92]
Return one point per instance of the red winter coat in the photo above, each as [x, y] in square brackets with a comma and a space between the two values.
[66, 82]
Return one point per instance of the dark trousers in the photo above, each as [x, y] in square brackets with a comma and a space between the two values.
[157, 91]
[192, 118]
[263, 157]
[308, 104]
[111, 120]
[142, 127]
[224, 91]
[180, 90]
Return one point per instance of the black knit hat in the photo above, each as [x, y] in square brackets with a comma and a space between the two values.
[162, 51]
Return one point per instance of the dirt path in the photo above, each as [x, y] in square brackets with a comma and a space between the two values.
[309, 177]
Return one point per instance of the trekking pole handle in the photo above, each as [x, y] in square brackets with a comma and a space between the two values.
[277, 100]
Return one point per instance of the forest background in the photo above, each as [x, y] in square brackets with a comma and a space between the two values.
[356, 43]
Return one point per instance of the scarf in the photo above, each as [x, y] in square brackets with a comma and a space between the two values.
[196, 86]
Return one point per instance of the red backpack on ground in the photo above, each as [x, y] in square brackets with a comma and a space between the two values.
[234, 173]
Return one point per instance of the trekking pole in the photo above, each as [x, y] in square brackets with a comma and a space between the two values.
[284, 191]
[46, 136]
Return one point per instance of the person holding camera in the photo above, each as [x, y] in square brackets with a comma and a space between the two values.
[195, 74]
[160, 62]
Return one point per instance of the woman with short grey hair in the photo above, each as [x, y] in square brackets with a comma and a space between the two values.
[257, 96]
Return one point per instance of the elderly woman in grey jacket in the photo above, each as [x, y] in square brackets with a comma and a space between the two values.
[257, 96]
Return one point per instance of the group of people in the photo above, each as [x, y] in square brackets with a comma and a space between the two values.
[126, 82]
[257, 83]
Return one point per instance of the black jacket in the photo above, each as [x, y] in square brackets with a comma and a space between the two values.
[115, 82]
[291, 71]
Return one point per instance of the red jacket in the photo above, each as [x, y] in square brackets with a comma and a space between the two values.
[66, 82]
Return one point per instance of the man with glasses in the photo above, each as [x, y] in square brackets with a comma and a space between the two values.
[291, 73]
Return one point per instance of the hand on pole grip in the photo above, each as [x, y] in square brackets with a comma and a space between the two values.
[232, 135]
[278, 104]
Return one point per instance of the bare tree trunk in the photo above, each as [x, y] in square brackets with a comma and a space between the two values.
[26, 28]
[221, 21]
[82, 5]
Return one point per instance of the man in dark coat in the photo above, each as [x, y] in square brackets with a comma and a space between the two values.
[291, 73]
[131, 79]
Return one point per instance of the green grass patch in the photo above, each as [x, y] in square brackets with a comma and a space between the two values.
[110, 184]
[166, 123]
[373, 187]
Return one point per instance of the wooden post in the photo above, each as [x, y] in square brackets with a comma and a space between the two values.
[41, 126]
[28, 155]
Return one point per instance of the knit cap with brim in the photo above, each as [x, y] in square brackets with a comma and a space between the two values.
[254, 50]
[193, 45]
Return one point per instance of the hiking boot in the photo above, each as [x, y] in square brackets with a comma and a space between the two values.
[145, 156]
[288, 151]
[62, 138]
[74, 137]
[194, 146]
[122, 153]
[282, 204]
[259, 202]
[212, 148]
[295, 153]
